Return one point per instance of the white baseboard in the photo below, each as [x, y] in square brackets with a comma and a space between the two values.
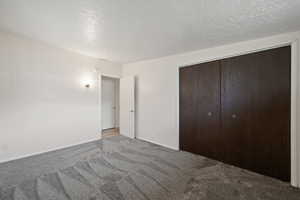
[47, 151]
[157, 143]
[75, 144]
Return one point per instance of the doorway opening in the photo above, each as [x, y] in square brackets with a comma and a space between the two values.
[110, 103]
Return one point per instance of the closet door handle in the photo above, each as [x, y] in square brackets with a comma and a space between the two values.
[233, 116]
[209, 114]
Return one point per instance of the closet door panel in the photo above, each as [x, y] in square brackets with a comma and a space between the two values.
[270, 114]
[200, 109]
[235, 98]
[256, 111]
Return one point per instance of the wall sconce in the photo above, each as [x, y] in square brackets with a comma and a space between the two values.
[87, 82]
[89, 79]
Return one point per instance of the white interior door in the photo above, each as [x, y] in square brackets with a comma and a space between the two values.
[108, 103]
[127, 107]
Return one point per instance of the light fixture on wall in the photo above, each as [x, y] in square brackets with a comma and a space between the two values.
[87, 81]
[89, 78]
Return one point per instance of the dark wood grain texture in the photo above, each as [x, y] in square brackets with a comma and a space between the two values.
[253, 130]
[200, 109]
[256, 111]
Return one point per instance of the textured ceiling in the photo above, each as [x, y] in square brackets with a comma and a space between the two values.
[131, 30]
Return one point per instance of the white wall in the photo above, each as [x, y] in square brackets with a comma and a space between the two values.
[157, 112]
[42, 96]
[109, 69]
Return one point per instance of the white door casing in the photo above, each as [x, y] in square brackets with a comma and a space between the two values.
[108, 103]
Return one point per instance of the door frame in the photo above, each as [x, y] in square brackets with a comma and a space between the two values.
[114, 91]
[253, 47]
[99, 90]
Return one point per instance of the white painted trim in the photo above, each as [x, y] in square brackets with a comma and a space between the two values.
[295, 108]
[99, 89]
[294, 96]
[256, 46]
[163, 145]
[48, 151]
[99, 79]
[110, 75]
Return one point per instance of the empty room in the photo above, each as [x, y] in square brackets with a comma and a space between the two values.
[149, 100]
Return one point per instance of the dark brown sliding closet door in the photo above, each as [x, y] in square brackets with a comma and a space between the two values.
[237, 110]
[256, 111]
[200, 109]
[236, 83]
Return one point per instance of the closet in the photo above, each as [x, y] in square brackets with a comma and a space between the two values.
[237, 110]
